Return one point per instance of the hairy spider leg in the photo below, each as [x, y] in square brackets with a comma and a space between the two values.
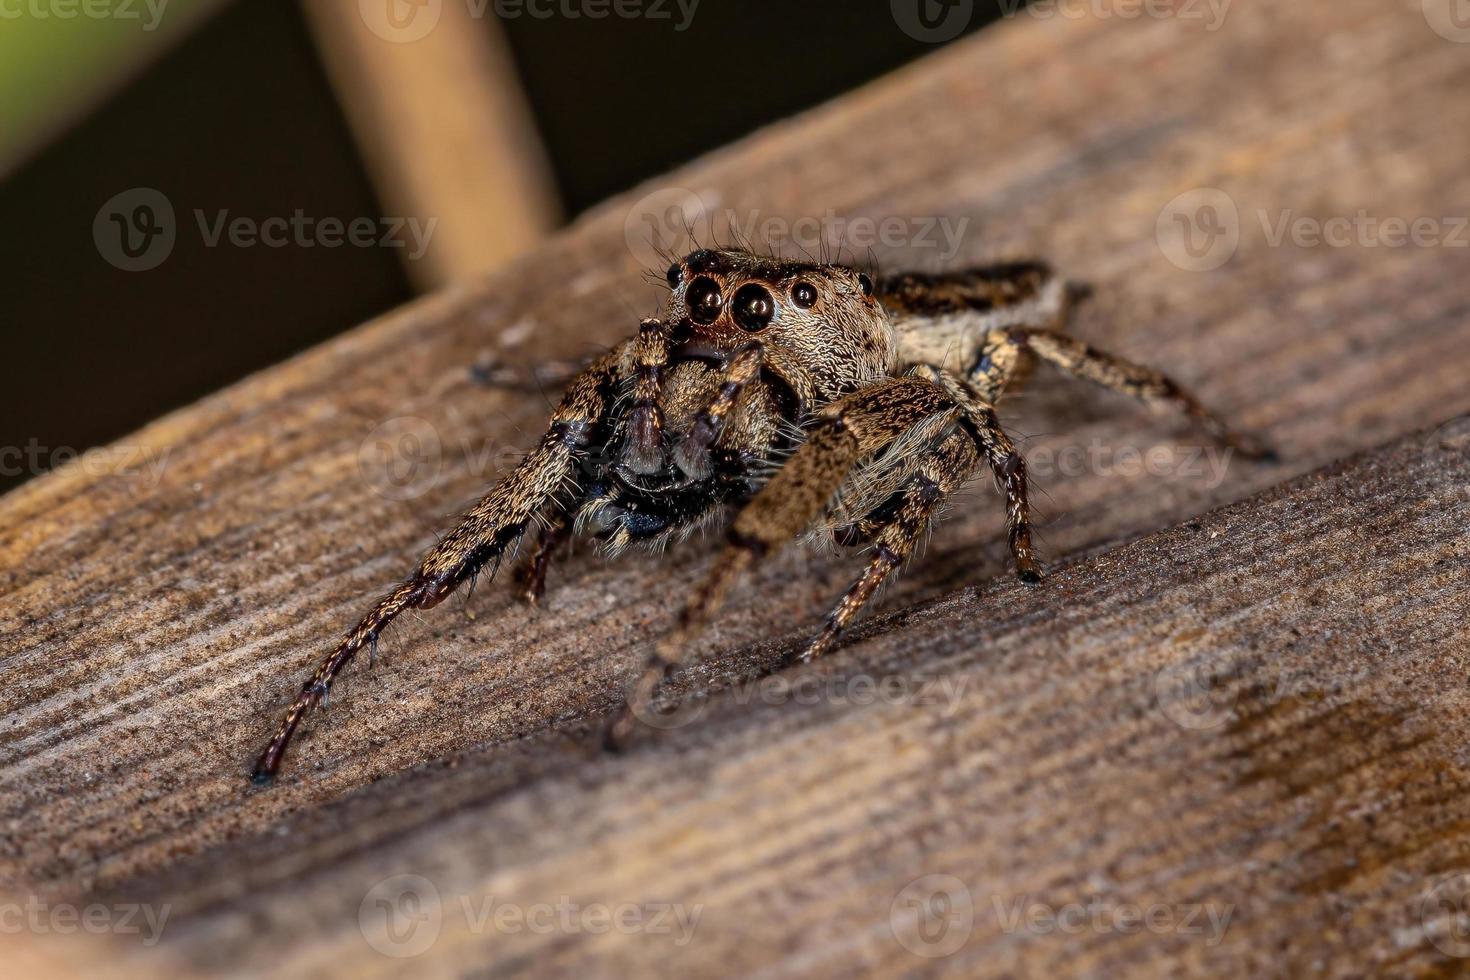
[844, 432]
[482, 536]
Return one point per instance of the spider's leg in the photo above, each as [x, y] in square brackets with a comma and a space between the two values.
[961, 321]
[844, 432]
[481, 537]
[644, 451]
[1009, 292]
[1083, 361]
[1006, 463]
[512, 377]
[897, 527]
[553, 535]
[691, 453]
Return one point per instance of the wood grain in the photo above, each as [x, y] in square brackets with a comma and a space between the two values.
[155, 625]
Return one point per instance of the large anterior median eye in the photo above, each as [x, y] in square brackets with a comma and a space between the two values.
[753, 307]
[704, 300]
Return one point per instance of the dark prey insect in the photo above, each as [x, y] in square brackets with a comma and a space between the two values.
[804, 397]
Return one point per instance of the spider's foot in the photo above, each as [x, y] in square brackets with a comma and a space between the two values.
[619, 732]
[819, 645]
[1256, 450]
[262, 777]
[1031, 575]
[1251, 447]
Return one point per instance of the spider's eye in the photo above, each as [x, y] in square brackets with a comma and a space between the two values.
[804, 295]
[675, 275]
[704, 300]
[753, 307]
[865, 284]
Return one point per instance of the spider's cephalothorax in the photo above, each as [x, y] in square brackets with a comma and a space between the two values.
[803, 396]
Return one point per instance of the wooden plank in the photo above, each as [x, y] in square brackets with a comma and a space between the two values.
[1251, 727]
[156, 621]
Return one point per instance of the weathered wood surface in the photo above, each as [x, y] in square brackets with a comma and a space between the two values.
[153, 628]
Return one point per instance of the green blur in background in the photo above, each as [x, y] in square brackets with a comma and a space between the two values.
[61, 58]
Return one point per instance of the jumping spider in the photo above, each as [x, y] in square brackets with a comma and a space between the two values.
[804, 396]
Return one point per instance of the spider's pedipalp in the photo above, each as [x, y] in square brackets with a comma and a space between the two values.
[643, 453]
[691, 453]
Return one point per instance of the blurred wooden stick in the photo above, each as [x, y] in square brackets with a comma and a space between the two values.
[435, 103]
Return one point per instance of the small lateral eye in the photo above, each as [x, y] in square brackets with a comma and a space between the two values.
[804, 295]
[753, 307]
[675, 275]
[865, 284]
[704, 300]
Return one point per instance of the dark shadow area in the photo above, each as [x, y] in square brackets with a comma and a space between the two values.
[239, 121]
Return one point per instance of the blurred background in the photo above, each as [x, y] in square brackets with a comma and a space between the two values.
[192, 190]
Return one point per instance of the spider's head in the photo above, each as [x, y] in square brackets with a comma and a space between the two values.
[822, 326]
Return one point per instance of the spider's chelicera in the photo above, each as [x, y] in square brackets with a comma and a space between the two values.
[804, 397]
